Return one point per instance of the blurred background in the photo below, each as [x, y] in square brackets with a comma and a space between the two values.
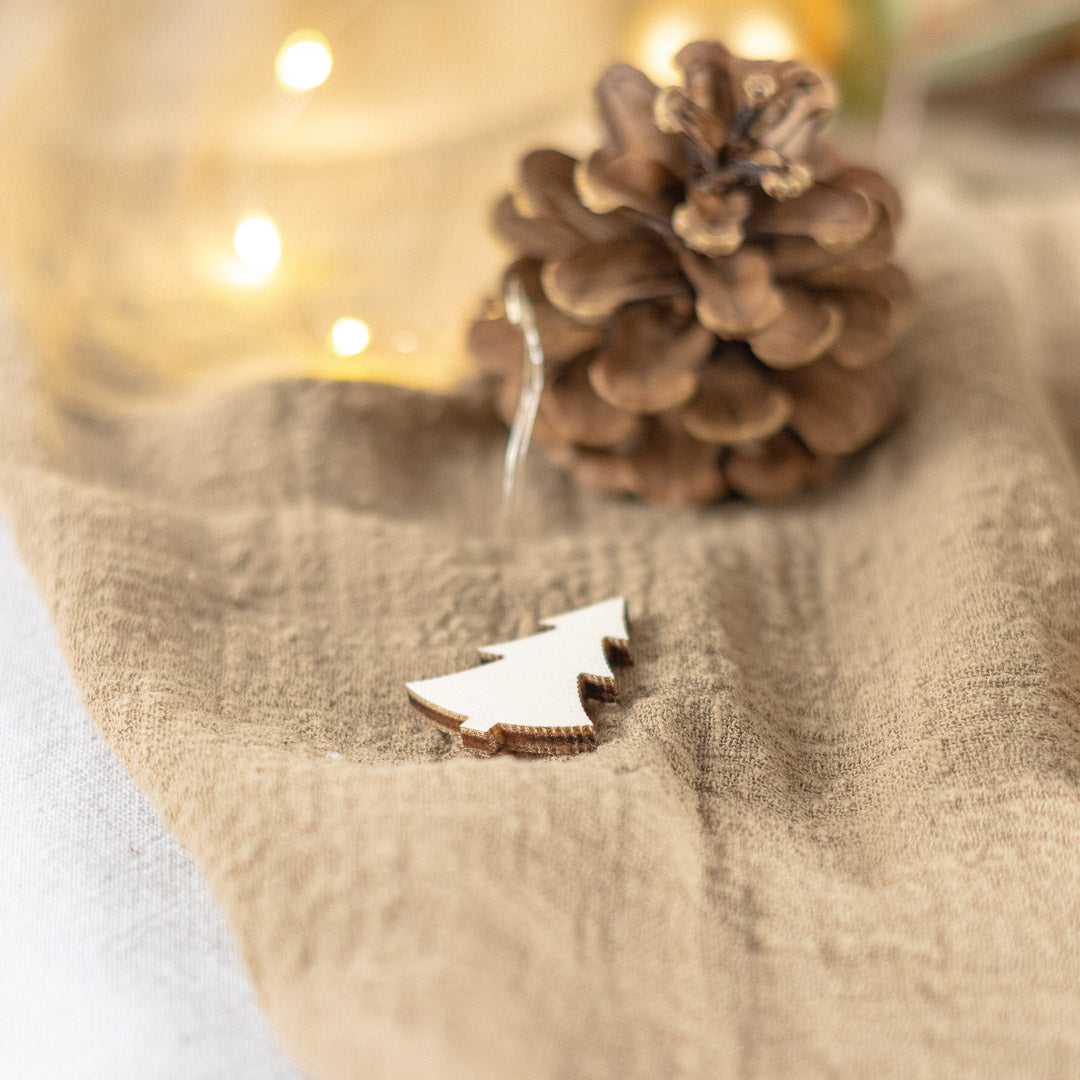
[196, 194]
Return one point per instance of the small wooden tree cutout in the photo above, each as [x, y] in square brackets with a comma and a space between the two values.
[532, 698]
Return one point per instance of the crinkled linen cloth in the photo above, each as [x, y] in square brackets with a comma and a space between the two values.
[831, 828]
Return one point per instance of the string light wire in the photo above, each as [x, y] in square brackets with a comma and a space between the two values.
[520, 312]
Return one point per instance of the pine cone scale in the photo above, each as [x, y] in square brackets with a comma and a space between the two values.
[774, 469]
[626, 99]
[736, 403]
[535, 238]
[838, 410]
[597, 280]
[711, 222]
[546, 191]
[867, 332]
[650, 363]
[736, 295]
[804, 330]
[579, 415]
[609, 180]
[835, 217]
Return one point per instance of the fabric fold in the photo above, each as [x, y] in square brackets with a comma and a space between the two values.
[829, 827]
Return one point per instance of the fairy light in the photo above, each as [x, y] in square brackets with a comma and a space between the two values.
[761, 36]
[662, 41]
[349, 336]
[304, 61]
[258, 244]
[756, 29]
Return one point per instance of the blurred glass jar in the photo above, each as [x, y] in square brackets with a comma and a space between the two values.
[173, 212]
[196, 193]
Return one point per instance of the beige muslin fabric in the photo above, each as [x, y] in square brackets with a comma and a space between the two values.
[831, 829]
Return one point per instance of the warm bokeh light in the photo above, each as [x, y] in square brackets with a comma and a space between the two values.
[358, 174]
[349, 336]
[258, 244]
[405, 341]
[662, 41]
[757, 29]
[761, 36]
[304, 61]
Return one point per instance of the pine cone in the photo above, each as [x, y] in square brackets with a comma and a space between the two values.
[712, 287]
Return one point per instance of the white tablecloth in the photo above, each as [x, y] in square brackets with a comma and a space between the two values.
[114, 961]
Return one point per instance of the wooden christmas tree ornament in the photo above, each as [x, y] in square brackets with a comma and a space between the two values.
[532, 698]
